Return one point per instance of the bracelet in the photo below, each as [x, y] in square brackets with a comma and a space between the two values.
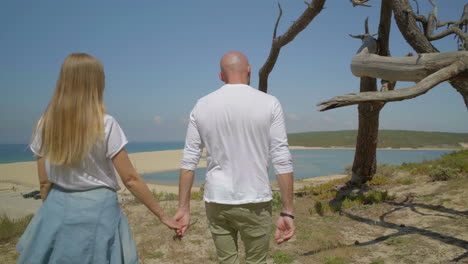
[288, 215]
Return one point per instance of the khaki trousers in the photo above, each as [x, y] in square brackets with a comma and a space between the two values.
[252, 221]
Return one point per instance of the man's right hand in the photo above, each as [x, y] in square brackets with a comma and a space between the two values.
[183, 217]
[284, 229]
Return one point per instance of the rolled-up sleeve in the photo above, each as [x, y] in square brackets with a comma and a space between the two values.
[279, 150]
[193, 144]
[116, 139]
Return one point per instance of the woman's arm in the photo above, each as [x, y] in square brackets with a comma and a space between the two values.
[44, 182]
[137, 186]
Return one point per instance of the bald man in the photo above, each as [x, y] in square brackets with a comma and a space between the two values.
[241, 129]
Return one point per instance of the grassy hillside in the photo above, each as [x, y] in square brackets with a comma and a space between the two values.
[387, 138]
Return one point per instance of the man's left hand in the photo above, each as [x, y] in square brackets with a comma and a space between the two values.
[284, 229]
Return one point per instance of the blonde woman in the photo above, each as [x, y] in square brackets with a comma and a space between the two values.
[78, 145]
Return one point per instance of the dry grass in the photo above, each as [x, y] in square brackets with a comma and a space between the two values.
[427, 222]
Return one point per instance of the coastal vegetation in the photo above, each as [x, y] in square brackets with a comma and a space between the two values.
[399, 216]
[386, 139]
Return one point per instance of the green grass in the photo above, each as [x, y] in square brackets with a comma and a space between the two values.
[397, 241]
[337, 260]
[387, 138]
[322, 189]
[355, 201]
[165, 196]
[12, 228]
[155, 255]
[282, 258]
[450, 166]
[377, 261]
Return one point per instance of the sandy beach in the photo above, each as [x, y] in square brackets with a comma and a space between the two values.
[21, 177]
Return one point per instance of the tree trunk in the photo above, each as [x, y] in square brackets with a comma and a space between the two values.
[365, 160]
[365, 156]
[462, 88]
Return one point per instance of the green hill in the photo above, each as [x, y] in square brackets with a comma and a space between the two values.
[387, 138]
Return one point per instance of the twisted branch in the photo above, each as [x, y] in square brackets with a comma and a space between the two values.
[432, 22]
[360, 3]
[312, 10]
[420, 88]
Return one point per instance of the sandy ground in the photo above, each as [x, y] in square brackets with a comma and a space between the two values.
[21, 177]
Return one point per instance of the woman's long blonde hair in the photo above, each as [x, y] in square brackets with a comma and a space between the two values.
[73, 120]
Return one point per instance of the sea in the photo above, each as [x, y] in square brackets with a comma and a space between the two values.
[307, 162]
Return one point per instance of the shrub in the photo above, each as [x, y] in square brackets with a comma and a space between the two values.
[12, 228]
[385, 170]
[379, 180]
[276, 203]
[457, 160]
[443, 173]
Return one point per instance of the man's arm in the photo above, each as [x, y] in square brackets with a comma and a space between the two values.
[282, 163]
[183, 214]
[44, 183]
[285, 224]
[286, 184]
[192, 153]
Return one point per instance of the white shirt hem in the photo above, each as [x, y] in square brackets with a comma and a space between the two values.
[259, 200]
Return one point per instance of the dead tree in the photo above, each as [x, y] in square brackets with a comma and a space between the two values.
[419, 40]
[365, 156]
[312, 10]
[427, 70]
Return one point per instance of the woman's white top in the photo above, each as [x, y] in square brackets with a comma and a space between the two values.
[96, 169]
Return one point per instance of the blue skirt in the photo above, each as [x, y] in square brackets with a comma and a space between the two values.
[78, 227]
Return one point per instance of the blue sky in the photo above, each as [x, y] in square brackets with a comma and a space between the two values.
[161, 56]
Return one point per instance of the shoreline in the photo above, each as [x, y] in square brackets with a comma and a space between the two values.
[389, 148]
[13, 205]
[25, 172]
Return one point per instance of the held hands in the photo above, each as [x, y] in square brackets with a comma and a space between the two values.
[284, 229]
[182, 217]
[171, 223]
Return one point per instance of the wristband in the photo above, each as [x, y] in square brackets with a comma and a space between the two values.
[288, 215]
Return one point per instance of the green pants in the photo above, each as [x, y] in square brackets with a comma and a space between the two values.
[252, 221]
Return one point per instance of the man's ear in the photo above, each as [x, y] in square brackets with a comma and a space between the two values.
[249, 70]
[220, 75]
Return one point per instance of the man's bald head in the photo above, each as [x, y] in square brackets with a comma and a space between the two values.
[235, 68]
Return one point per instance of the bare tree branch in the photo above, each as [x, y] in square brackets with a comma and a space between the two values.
[409, 69]
[420, 88]
[360, 3]
[383, 42]
[432, 22]
[419, 42]
[313, 9]
[278, 20]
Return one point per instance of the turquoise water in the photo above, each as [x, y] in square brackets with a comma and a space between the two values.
[307, 162]
[21, 152]
[316, 162]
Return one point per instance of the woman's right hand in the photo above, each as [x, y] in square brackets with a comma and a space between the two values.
[171, 223]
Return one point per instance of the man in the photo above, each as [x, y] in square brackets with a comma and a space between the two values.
[241, 128]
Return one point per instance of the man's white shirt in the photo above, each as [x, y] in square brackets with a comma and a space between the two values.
[241, 129]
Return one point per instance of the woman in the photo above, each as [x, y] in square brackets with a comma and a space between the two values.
[78, 145]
